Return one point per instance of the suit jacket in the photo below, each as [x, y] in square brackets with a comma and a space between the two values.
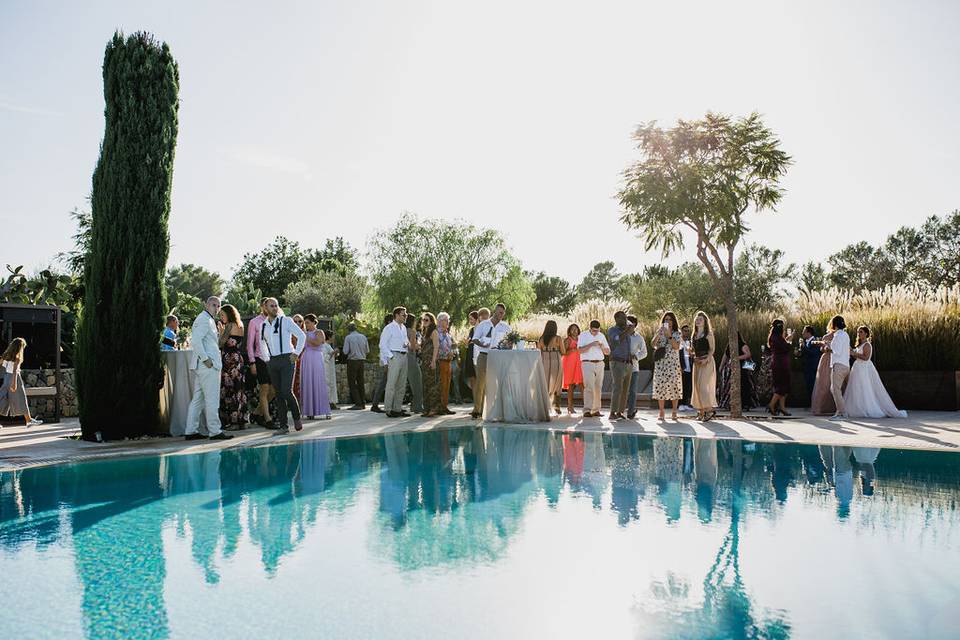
[809, 356]
[205, 343]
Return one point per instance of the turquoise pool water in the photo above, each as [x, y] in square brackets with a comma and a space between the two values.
[486, 533]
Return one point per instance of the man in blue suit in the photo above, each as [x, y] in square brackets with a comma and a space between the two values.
[809, 359]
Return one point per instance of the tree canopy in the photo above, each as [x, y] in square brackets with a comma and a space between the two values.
[553, 295]
[602, 282]
[446, 266]
[284, 262]
[193, 280]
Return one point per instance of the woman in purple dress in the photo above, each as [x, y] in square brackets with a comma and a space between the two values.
[313, 377]
[780, 348]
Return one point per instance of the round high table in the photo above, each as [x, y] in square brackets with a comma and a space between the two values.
[516, 388]
[177, 392]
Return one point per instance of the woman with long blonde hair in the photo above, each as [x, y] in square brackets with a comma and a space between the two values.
[13, 397]
[704, 396]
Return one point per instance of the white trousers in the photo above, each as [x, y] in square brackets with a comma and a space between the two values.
[206, 399]
[592, 385]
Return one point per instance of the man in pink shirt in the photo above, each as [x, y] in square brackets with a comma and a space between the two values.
[257, 356]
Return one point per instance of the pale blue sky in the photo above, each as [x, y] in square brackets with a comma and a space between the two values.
[322, 119]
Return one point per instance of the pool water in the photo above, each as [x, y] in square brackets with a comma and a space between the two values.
[486, 533]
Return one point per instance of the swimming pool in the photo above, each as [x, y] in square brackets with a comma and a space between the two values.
[486, 533]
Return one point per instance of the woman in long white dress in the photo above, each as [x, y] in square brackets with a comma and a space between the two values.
[865, 395]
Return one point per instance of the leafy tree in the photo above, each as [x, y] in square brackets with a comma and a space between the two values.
[443, 266]
[553, 295]
[700, 179]
[245, 297]
[194, 280]
[602, 282]
[760, 274]
[860, 266]
[684, 290]
[327, 294]
[284, 262]
[941, 266]
[75, 259]
[118, 364]
[813, 277]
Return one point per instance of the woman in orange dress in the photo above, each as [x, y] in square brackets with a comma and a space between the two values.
[572, 373]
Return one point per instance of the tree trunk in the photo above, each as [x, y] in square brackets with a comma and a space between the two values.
[118, 363]
[736, 408]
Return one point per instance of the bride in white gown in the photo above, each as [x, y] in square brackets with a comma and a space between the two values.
[865, 395]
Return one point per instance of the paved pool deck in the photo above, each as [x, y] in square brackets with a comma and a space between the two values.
[22, 447]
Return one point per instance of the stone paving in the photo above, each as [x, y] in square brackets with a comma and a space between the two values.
[53, 444]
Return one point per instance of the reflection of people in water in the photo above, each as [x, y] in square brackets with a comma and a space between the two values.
[667, 473]
[705, 468]
[573, 450]
[594, 467]
[782, 470]
[840, 470]
[626, 487]
[866, 457]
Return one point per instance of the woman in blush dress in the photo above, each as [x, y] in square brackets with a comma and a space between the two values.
[552, 351]
[313, 383]
[865, 395]
[704, 395]
[780, 367]
[572, 370]
[821, 401]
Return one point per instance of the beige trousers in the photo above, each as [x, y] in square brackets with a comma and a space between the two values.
[838, 376]
[480, 385]
[592, 384]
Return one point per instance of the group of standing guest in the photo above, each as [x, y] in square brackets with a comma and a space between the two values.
[286, 365]
[420, 355]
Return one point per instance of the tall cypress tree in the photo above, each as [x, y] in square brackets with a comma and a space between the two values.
[118, 362]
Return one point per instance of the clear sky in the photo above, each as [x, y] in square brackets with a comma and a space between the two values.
[331, 118]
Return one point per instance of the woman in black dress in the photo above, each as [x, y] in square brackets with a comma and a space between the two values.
[746, 376]
[780, 348]
[469, 368]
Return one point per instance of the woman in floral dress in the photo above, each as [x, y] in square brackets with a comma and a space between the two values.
[233, 386]
[667, 377]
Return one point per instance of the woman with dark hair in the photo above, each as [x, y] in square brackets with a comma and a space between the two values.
[414, 374]
[744, 360]
[780, 348]
[865, 395]
[821, 400]
[667, 376]
[314, 387]
[233, 379]
[572, 369]
[429, 352]
[552, 351]
[469, 368]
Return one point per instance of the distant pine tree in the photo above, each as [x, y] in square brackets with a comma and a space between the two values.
[118, 365]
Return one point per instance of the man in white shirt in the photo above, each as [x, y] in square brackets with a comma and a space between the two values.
[638, 347]
[486, 336]
[592, 346]
[839, 364]
[207, 362]
[394, 345]
[276, 333]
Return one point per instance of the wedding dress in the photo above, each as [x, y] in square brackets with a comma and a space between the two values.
[865, 396]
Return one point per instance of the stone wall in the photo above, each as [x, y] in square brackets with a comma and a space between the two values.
[43, 408]
[371, 376]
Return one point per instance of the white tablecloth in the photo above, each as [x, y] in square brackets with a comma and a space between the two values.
[177, 392]
[516, 388]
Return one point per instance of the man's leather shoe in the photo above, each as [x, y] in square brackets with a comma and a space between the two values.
[222, 436]
[298, 425]
[194, 436]
[376, 409]
[403, 414]
[393, 414]
[356, 408]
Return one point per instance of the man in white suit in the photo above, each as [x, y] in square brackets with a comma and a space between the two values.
[206, 361]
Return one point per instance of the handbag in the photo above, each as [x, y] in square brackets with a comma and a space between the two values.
[748, 365]
[659, 353]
